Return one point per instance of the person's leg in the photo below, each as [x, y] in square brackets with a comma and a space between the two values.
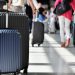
[67, 30]
[30, 25]
[9, 2]
[61, 24]
[52, 26]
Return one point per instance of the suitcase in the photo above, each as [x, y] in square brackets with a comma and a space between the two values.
[46, 27]
[57, 25]
[10, 51]
[38, 33]
[52, 27]
[19, 21]
[73, 32]
[2, 19]
[73, 35]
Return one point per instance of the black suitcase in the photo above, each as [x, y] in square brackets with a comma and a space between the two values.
[38, 33]
[73, 35]
[57, 25]
[2, 19]
[10, 51]
[19, 21]
[73, 30]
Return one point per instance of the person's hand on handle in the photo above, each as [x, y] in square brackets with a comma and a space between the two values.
[39, 5]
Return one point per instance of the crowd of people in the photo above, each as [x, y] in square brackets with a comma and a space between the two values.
[32, 7]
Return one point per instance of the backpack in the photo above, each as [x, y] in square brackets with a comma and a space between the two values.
[62, 7]
[67, 1]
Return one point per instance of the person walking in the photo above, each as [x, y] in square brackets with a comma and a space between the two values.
[64, 23]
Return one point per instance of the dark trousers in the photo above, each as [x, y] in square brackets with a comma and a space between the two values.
[30, 25]
[30, 15]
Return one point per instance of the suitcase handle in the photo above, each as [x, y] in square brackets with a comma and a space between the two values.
[6, 20]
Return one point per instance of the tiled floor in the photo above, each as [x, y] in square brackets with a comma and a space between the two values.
[39, 57]
[50, 58]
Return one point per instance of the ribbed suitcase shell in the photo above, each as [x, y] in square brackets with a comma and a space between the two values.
[10, 50]
[38, 33]
[2, 20]
[20, 22]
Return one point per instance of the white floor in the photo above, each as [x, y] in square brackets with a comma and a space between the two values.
[39, 63]
[50, 58]
[39, 57]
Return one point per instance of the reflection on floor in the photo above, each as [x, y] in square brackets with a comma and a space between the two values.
[50, 58]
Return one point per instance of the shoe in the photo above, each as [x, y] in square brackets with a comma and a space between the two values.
[63, 44]
[67, 42]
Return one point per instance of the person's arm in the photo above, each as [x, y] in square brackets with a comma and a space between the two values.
[9, 3]
[56, 2]
[73, 4]
[32, 5]
[36, 4]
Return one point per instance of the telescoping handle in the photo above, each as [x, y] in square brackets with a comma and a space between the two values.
[7, 17]
[6, 20]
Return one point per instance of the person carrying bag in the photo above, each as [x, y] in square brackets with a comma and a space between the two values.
[62, 7]
[64, 22]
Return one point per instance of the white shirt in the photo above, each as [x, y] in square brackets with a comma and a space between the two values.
[35, 3]
[18, 2]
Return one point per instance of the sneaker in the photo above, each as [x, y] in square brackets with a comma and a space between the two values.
[63, 44]
[67, 42]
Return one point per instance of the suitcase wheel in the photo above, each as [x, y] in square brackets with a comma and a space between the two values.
[74, 45]
[17, 72]
[14, 73]
[38, 45]
[25, 71]
[32, 45]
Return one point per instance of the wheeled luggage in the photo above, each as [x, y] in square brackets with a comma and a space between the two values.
[57, 25]
[19, 21]
[10, 51]
[52, 19]
[2, 20]
[73, 32]
[52, 27]
[38, 33]
[46, 27]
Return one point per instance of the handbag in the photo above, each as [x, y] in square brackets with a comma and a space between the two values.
[61, 8]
